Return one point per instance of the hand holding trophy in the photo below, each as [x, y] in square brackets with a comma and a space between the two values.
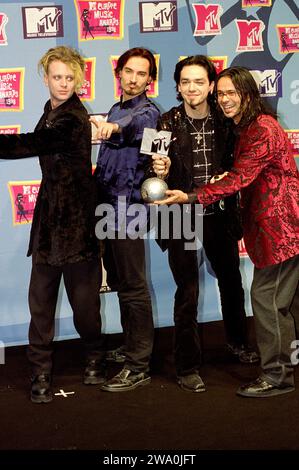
[156, 144]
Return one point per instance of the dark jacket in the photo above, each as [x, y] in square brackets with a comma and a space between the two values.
[181, 169]
[63, 222]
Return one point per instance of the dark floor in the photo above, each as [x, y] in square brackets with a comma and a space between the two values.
[159, 416]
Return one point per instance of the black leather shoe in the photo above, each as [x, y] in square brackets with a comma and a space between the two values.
[41, 389]
[191, 383]
[244, 354]
[261, 388]
[126, 380]
[116, 355]
[95, 372]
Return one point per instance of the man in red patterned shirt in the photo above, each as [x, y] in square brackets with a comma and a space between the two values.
[265, 172]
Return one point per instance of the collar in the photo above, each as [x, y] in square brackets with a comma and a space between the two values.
[133, 102]
[73, 101]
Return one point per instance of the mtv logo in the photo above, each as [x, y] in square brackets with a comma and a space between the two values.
[42, 21]
[207, 19]
[250, 35]
[160, 16]
[154, 141]
[3, 22]
[269, 82]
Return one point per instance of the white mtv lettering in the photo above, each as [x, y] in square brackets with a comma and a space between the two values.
[211, 21]
[253, 36]
[42, 19]
[207, 18]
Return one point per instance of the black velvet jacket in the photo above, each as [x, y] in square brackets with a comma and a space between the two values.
[180, 153]
[63, 227]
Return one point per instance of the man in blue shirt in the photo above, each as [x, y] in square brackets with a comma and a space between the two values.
[119, 175]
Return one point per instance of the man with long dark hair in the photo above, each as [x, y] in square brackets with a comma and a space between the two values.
[119, 174]
[200, 148]
[265, 172]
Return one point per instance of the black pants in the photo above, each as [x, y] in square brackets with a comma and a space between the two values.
[222, 252]
[124, 261]
[82, 281]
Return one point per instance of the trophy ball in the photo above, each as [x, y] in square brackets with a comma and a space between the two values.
[153, 189]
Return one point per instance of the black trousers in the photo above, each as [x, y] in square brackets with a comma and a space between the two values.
[222, 251]
[82, 281]
[124, 261]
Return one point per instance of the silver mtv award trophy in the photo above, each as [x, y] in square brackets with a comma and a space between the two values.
[153, 141]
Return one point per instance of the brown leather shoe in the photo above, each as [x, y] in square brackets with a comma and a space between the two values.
[261, 388]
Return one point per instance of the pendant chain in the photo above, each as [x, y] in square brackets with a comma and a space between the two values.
[200, 132]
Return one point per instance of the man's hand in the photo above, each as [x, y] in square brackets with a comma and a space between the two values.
[218, 177]
[175, 196]
[161, 165]
[104, 129]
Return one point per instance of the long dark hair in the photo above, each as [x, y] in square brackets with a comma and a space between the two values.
[202, 61]
[252, 105]
[137, 52]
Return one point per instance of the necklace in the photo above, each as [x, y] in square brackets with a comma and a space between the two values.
[199, 132]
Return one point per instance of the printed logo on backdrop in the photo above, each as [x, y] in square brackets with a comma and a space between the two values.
[207, 19]
[87, 92]
[10, 129]
[250, 35]
[242, 249]
[288, 36]
[269, 82]
[23, 196]
[153, 87]
[42, 22]
[3, 22]
[158, 16]
[293, 136]
[219, 62]
[12, 89]
[256, 3]
[100, 20]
